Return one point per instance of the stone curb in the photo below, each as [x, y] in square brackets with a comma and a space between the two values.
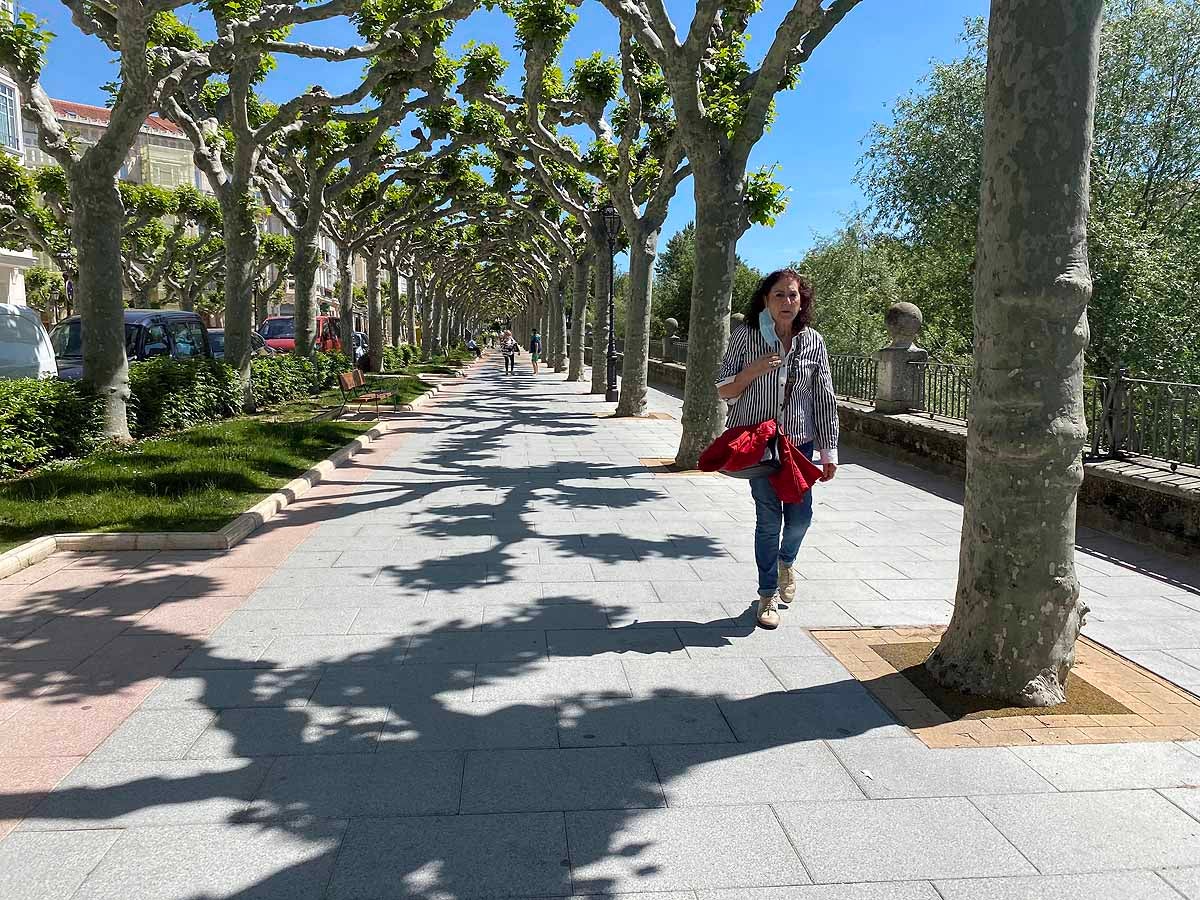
[25, 555]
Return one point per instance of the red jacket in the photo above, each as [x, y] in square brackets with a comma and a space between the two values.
[740, 448]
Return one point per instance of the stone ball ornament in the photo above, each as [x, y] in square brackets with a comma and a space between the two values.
[903, 321]
[672, 327]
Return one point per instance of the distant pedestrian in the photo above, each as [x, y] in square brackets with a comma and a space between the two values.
[535, 349]
[474, 347]
[509, 348]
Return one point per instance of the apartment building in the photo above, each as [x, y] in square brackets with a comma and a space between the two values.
[13, 263]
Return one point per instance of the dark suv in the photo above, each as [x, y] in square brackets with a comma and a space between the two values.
[148, 333]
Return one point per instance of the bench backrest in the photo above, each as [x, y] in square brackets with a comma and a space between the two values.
[357, 375]
[346, 381]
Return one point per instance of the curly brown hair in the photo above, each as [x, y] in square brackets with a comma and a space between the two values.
[758, 301]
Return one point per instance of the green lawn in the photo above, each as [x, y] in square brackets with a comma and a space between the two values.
[194, 480]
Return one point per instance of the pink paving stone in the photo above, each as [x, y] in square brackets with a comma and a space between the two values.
[195, 617]
[24, 782]
[70, 732]
[241, 582]
[180, 562]
[111, 560]
[80, 581]
[90, 693]
[39, 570]
[67, 637]
[255, 555]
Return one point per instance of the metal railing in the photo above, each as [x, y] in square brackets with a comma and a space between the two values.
[854, 377]
[1126, 416]
[675, 350]
[1142, 416]
[942, 390]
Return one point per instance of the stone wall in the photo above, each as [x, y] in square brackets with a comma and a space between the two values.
[1135, 499]
[672, 374]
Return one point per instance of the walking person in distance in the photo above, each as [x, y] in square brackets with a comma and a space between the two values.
[535, 349]
[509, 348]
[777, 368]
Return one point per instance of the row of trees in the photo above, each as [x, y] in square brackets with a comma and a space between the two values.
[670, 104]
[494, 200]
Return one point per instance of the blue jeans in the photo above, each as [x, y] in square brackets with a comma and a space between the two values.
[771, 518]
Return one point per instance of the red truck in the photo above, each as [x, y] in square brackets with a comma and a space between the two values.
[280, 333]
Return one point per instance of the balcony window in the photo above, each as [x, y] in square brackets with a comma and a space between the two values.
[10, 133]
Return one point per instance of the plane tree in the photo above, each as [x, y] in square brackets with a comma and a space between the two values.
[722, 106]
[154, 52]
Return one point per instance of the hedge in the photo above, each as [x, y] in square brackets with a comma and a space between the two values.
[396, 359]
[41, 420]
[45, 420]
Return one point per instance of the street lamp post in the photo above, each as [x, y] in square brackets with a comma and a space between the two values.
[612, 227]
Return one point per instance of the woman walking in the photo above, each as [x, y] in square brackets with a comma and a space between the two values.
[508, 347]
[777, 368]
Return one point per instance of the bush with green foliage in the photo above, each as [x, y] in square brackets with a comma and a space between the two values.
[397, 359]
[44, 419]
[170, 394]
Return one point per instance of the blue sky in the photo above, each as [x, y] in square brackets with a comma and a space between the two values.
[877, 54]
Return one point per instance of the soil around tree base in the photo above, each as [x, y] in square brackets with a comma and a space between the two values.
[1083, 698]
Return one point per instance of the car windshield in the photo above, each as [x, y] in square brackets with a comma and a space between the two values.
[278, 328]
[67, 343]
[216, 341]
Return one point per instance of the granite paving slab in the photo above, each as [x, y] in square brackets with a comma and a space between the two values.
[185, 862]
[51, 866]
[665, 850]
[453, 856]
[1086, 832]
[897, 840]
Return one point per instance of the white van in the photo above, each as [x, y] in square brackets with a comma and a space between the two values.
[25, 350]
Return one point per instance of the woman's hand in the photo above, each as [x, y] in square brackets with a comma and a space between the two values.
[765, 364]
[828, 470]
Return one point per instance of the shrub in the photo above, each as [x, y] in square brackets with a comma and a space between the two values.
[170, 394]
[328, 367]
[41, 420]
[277, 379]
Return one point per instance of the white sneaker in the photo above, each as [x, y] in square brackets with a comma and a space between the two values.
[787, 583]
[768, 611]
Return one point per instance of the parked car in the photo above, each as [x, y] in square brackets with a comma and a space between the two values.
[149, 333]
[280, 333]
[25, 350]
[216, 340]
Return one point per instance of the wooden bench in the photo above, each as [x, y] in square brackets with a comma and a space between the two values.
[354, 389]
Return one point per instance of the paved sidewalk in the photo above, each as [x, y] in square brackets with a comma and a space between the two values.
[497, 657]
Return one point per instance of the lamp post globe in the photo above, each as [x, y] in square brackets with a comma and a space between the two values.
[612, 228]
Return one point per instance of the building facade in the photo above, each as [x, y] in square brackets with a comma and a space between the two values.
[13, 263]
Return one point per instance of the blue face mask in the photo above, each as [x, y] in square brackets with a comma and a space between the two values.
[766, 326]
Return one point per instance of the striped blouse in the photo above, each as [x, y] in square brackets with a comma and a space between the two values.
[812, 413]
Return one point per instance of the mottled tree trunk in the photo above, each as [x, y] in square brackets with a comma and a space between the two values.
[559, 324]
[394, 307]
[579, 296]
[635, 367]
[600, 322]
[375, 339]
[1017, 612]
[718, 227]
[305, 263]
[96, 219]
[412, 310]
[427, 319]
[346, 301]
[240, 231]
